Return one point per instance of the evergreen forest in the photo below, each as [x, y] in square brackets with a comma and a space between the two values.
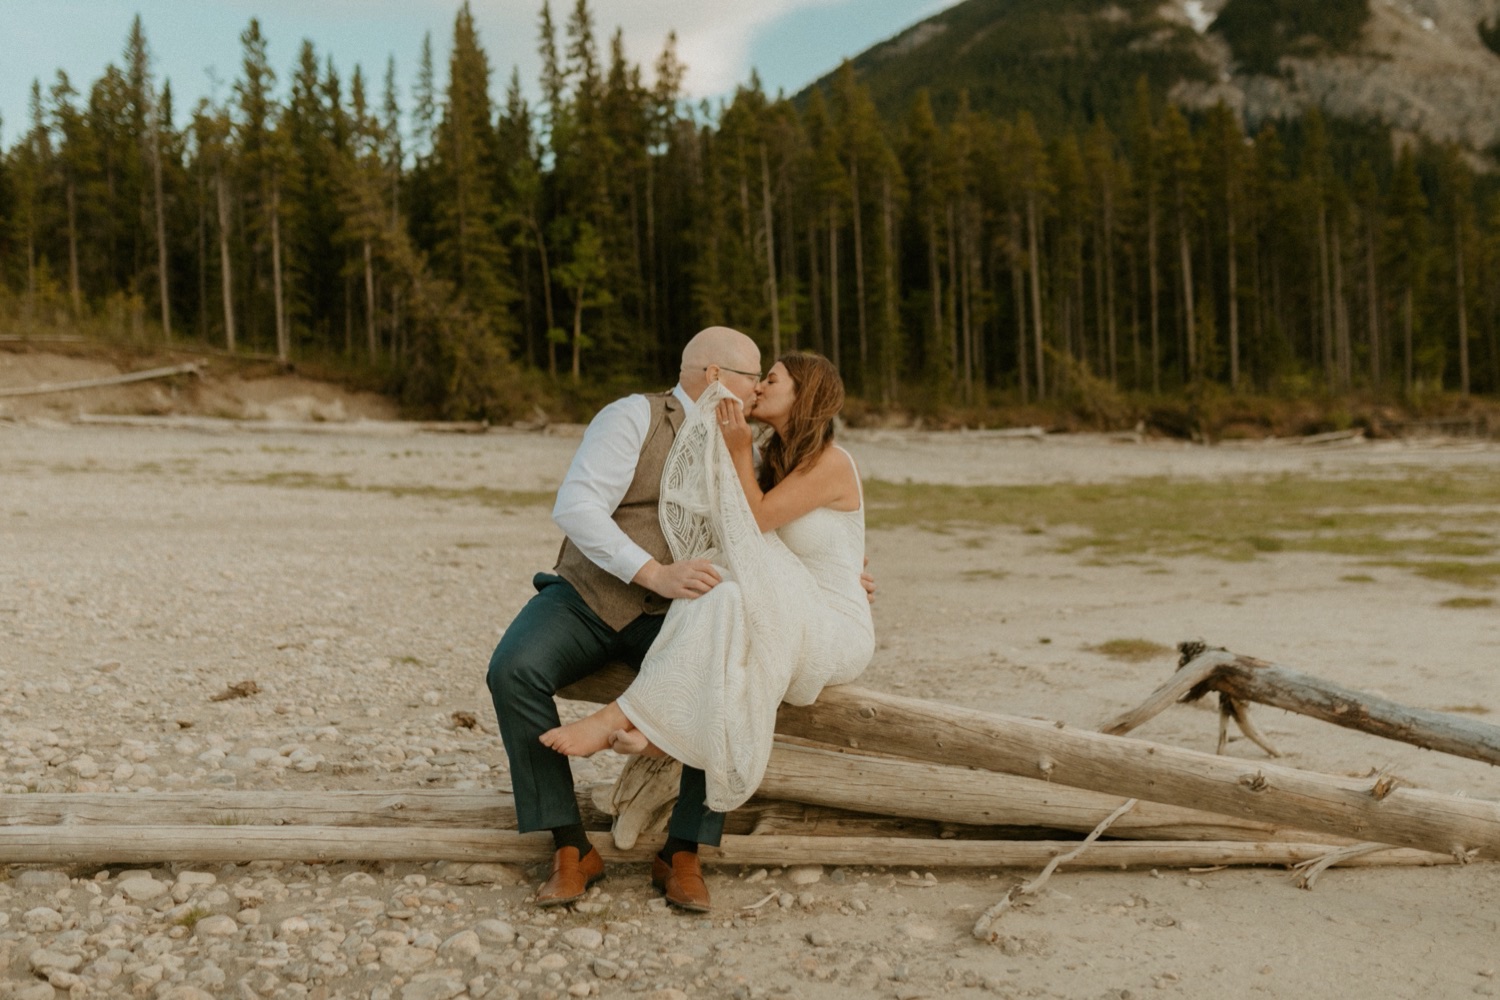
[476, 252]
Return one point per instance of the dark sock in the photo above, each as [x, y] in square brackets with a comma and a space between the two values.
[675, 845]
[571, 835]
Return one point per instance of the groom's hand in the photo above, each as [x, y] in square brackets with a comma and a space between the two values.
[679, 580]
[867, 581]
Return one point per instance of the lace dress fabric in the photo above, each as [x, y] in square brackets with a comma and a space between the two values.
[789, 618]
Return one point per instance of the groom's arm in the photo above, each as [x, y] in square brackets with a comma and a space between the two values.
[597, 479]
[596, 482]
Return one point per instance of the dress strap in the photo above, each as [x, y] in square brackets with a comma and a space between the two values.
[858, 482]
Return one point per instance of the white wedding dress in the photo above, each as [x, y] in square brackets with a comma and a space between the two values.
[789, 618]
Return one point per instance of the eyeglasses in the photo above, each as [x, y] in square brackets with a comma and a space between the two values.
[757, 376]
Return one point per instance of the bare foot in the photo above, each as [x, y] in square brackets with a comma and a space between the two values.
[588, 735]
[633, 741]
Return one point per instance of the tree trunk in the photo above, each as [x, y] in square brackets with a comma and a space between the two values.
[283, 347]
[768, 219]
[577, 335]
[1341, 347]
[226, 274]
[1325, 295]
[1233, 278]
[75, 288]
[331, 844]
[833, 284]
[1248, 679]
[1407, 307]
[859, 275]
[372, 341]
[1032, 238]
[163, 268]
[1462, 305]
[1347, 807]
[1372, 303]
[1189, 307]
[890, 336]
[1153, 290]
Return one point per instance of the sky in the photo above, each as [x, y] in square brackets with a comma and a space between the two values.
[195, 43]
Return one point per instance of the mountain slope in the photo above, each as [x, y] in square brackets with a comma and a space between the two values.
[1420, 66]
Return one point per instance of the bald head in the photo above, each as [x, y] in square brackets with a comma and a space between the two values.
[719, 354]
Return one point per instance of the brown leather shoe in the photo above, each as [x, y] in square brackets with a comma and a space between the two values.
[681, 881]
[571, 876]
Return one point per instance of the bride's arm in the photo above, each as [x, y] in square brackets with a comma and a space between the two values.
[826, 481]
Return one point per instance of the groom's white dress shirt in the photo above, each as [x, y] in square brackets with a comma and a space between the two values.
[601, 472]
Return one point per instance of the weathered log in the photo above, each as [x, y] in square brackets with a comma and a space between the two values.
[895, 786]
[1246, 679]
[322, 844]
[439, 807]
[189, 368]
[434, 807]
[924, 730]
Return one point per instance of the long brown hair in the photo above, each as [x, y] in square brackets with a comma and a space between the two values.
[809, 425]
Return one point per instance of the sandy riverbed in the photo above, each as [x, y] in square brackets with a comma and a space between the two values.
[362, 577]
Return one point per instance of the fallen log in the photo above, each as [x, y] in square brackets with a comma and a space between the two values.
[190, 368]
[1246, 679]
[314, 844]
[898, 787]
[491, 810]
[922, 730]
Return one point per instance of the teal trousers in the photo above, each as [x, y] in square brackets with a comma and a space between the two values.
[557, 640]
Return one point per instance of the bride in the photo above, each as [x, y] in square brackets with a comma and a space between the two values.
[790, 616]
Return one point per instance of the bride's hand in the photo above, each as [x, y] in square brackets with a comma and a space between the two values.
[737, 433]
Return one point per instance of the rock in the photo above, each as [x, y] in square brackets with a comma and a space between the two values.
[186, 992]
[463, 945]
[292, 927]
[433, 986]
[819, 939]
[218, 925]
[44, 879]
[804, 874]
[552, 961]
[667, 994]
[495, 932]
[605, 969]
[197, 878]
[759, 875]
[42, 918]
[142, 889]
[585, 938]
[44, 960]
[405, 958]
[480, 873]
[916, 931]
[31, 991]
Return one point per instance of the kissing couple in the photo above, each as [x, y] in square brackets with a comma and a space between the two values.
[732, 584]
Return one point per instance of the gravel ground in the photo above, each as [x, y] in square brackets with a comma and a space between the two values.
[360, 579]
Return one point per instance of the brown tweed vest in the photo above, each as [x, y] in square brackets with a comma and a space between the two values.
[618, 603]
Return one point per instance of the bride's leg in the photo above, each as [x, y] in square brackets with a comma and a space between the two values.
[588, 735]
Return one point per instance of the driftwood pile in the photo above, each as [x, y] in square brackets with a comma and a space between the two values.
[867, 778]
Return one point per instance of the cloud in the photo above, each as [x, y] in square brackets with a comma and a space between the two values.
[713, 40]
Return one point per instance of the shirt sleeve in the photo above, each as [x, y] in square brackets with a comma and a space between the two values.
[601, 472]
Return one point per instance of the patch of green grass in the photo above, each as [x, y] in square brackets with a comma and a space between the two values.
[483, 495]
[984, 574]
[191, 917]
[1467, 602]
[1393, 520]
[1131, 650]
[1481, 576]
[1466, 709]
[1358, 578]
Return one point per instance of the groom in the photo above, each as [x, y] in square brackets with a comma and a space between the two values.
[605, 601]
